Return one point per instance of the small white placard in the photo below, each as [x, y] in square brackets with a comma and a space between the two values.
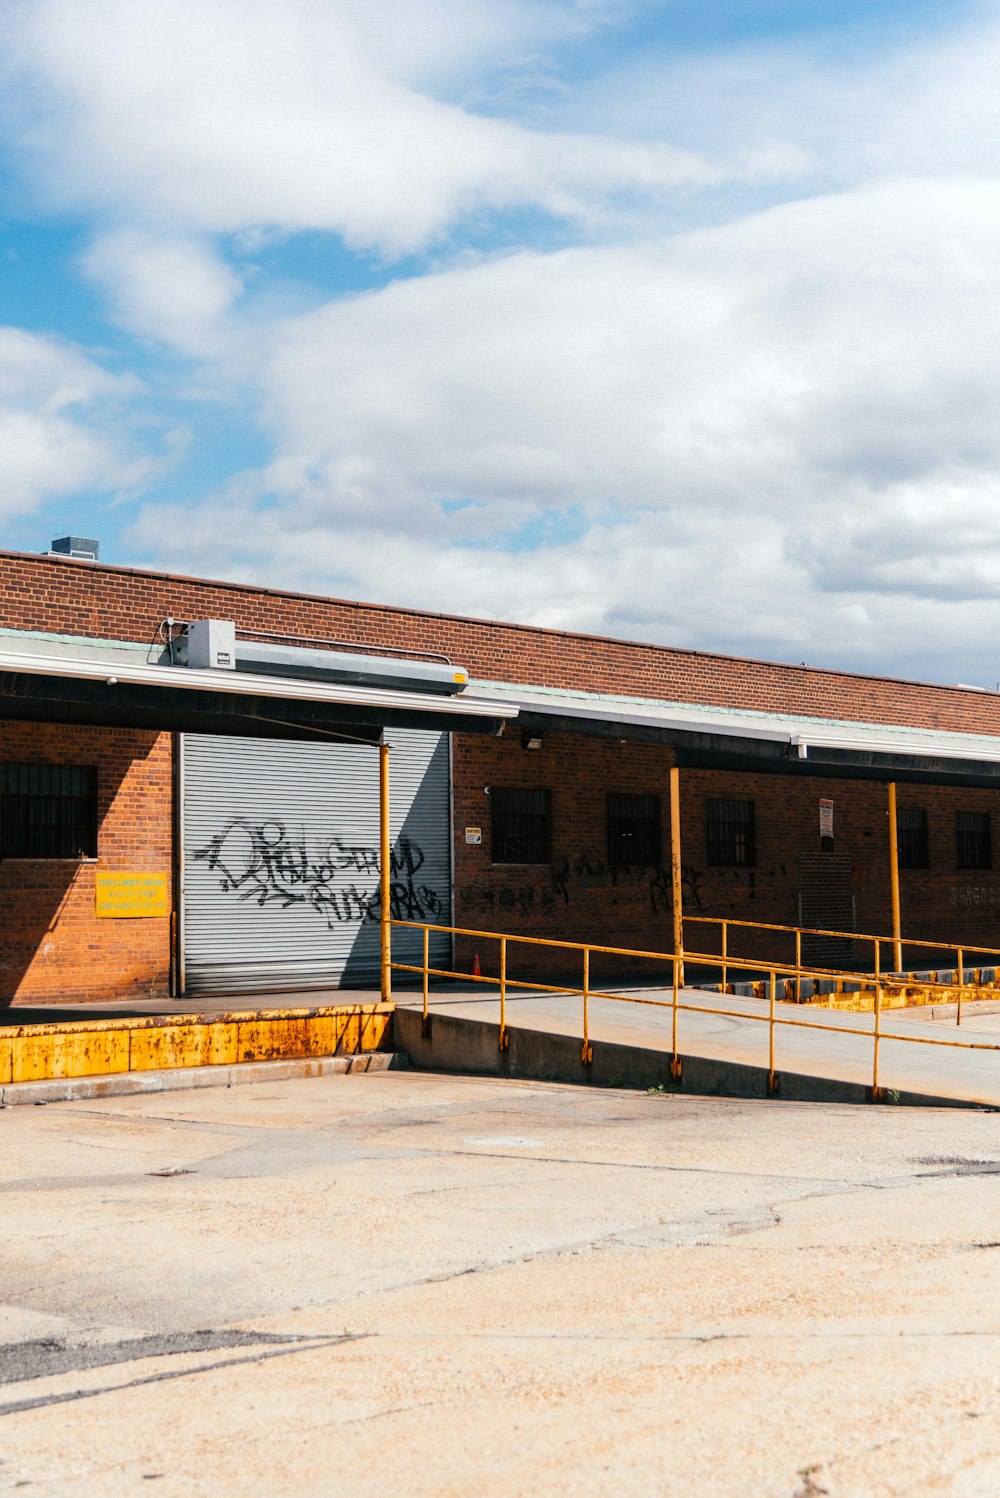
[474, 835]
[826, 819]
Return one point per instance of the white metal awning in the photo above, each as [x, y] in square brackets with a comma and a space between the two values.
[77, 680]
[113, 670]
[798, 733]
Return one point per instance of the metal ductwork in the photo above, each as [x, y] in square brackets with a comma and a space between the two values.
[214, 644]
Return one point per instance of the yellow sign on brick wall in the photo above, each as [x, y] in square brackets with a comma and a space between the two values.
[125, 895]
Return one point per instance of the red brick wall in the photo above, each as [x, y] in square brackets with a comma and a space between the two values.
[63, 596]
[578, 896]
[53, 948]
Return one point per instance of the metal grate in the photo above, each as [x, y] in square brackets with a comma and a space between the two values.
[520, 825]
[732, 833]
[633, 829]
[973, 849]
[911, 838]
[48, 811]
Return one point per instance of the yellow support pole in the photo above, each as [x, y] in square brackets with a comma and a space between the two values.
[385, 856]
[587, 1052]
[772, 1083]
[725, 955]
[675, 870]
[503, 1042]
[675, 1060]
[427, 940]
[897, 943]
[961, 981]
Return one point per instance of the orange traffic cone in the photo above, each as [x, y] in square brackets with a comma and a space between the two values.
[476, 972]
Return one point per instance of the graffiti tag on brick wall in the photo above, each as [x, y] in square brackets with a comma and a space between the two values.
[974, 894]
[265, 863]
[568, 876]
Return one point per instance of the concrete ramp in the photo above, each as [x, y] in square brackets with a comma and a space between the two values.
[725, 1054]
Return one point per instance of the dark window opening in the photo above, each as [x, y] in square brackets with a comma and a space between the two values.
[633, 829]
[48, 811]
[732, 834]
[911, 838]
[973, 848]
[520, 830]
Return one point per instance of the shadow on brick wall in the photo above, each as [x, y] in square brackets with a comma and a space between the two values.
[53, 947]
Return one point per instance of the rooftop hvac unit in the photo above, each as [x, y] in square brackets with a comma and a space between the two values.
[211, 644]
[85, 547]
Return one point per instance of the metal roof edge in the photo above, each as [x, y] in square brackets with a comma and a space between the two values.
[246, 684]
[745, 722]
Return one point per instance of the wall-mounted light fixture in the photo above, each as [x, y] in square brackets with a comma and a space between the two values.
[531, 740]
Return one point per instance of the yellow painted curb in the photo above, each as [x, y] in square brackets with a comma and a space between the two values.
[88, 1048]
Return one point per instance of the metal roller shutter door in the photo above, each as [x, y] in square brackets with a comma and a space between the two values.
[280, 855]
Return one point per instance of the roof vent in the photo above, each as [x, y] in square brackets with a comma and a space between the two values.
[84, 547]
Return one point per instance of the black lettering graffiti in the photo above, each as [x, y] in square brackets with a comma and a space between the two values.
[262, 862]
[568, 877]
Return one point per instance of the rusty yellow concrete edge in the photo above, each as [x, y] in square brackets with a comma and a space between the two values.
[205, 1017]
[92, 1048]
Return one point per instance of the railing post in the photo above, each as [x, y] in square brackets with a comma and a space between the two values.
[587, 1053]
[798, 958]
[897, 943]
[725, 953]
[675, 1060]
[504, 1038]
[677, 888]
[385, 855]
[876, 1089]
[961, 981]
[426, 1025]
[772, 1079]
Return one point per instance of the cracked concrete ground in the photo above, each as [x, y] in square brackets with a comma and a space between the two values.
[446, 1286]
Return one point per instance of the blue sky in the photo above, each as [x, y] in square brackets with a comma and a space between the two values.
[669, 320]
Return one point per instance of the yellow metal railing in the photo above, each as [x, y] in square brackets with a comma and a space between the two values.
[677, 1004]
[724, 960]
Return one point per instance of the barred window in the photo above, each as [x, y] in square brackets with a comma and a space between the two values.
[633, 829]
[520, 825]
[973, 848]
[48, 811]
[732, 833]
[911, 838]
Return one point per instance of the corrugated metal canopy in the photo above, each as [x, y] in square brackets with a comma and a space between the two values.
[117, 685]
[722, 737]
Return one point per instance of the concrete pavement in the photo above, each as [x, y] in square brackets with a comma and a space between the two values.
[465, 1288]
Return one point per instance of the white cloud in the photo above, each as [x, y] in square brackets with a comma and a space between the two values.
[173, 290]
[60, 417]
[782, 435]
[222, 115]
[779, 435]
[839, 108]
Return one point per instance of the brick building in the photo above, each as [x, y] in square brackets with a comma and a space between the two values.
[533, 799]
